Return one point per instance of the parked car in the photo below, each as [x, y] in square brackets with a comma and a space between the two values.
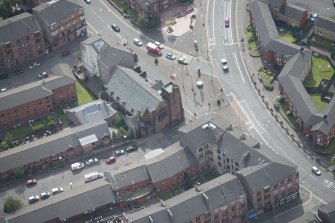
[45, 195]
[182, 60]
[316, 171]
[131, 149]
[111, 160]
[91, 161]
[34, 65]
[224, 64]
[31, 182]
[33, 199]
[77, 166]
[17, 72]
[3, 90]
[66, 53]
[119, 152]
[115, 27]
[171, 56]
[43, 75]
[56, 190]
[138, 42]
[226, 22]
[314, 16]
[87, 1]
[160, 46]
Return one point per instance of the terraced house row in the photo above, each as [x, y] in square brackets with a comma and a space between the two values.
[295, 65]
[252, 179]
[27, 36]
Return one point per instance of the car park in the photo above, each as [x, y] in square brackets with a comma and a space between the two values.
[131, 149]
[33, 199]
[226, 22]
[66, 53]
[115, 27]
[138, 42]
[171, 56]
[31, 182]
[56, 190]
[119, 152]
[160, 46]
[43, 75]
[111, 160]
[224, 64]
[34, 65]
[316, 171]
[45, 195]
[182, 60]
[91, 161]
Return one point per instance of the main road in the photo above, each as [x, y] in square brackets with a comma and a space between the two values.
[226, 43]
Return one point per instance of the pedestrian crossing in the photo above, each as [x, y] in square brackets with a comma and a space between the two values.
[166, 37]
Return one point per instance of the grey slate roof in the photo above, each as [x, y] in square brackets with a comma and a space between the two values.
[172, 161]
[220, 192]
[260, 176]
[33, 91]
[57, 10]
[133, 90]
[326, 23]
[66, 204]
[51, 145]
[17, 26]
[293, 11]
[112, 56]
[329, 209]
[90, 112]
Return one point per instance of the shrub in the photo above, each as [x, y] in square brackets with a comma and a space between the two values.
[268, 87]
[12, 204]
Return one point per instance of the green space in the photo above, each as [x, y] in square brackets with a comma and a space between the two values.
[322, 42]
[252, 45]
[166, 196]
[266, 76]
[320, 105]
[288, 37]
[83, 95]
[321, 69]
[288, 115]
[170, 21]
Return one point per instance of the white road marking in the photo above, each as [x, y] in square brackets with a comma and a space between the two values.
[230, 44]
[213, 20]
[238, 66]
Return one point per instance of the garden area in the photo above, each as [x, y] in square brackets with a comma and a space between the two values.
[252, 45]
[267, 78]
[321, 42]
[284, 110]
[123, 132]
[83, 95]
[286, 35]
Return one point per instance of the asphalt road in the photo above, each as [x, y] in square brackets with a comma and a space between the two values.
[238, 87]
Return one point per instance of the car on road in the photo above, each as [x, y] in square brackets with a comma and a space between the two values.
[334, 3]
[87, 1]
[182, 60]
[33, 199]
[171, 56]
[119, 152]
[226, 22]
[316, 171]
[66, 53]
[56, 190]
[43, 75]
[45, 195]
[3, 90]
[131, 149]
[314, 16]
[138, 42]
[115, 27]
[91, 161]
[224, 64]
[34, 65]
[160, 46]
[111, 160]
[31, 182]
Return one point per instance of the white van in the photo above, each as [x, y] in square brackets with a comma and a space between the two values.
[77, 166]
[93, 176]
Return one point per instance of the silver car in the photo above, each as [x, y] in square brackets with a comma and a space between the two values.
[138, 42]
[91, 161]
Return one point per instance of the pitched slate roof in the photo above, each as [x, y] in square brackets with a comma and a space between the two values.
[137, 95]
[188, 205]
[328, 209]
[33, 91]
[293, 11]
[50, 145]
[172, 161]
[326, 23]
[56, 10]
[67, 204]
[17, 26]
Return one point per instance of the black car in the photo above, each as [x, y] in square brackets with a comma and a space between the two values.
[116, 28]
[131, 149]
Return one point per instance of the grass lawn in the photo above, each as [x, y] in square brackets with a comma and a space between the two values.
[165, 196]
[288, 37]
[321, 69]
[323, 42]
[320, 105]
[21, 131]
[84, 96]
[290, 118]
[266, 77]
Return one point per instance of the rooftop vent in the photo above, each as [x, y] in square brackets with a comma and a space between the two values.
[257, 145]
[205, 126]
[243, 136]
[205, 196]
[137, 69]
[144, 74]
[212, 126]
[229, 127]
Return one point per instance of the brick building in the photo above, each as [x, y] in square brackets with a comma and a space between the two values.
[61, 21]
[21, 40]
[325, 27]
[35, 100]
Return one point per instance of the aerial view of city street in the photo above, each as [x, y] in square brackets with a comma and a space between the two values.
[167, 111]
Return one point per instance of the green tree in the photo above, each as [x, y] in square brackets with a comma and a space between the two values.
[12, 204]
[18, 172]
[332, 160]
[6, 8]
[141, 20]
[118, 120]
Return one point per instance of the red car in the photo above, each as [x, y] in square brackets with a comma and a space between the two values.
[66, 53]
[111, 160]
[226, 22]
[31, 182]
